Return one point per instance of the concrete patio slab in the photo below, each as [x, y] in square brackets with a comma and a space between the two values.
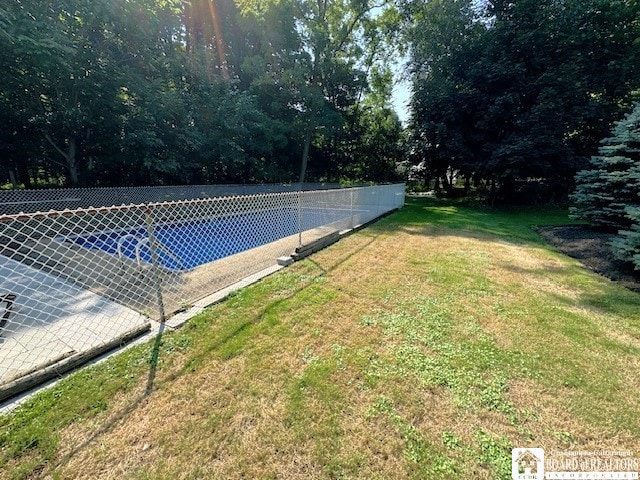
[52, 319]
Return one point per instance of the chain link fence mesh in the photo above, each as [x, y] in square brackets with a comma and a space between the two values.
[28, 201]
[74, 282]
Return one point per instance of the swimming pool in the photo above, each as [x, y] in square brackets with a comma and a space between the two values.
[189, 244]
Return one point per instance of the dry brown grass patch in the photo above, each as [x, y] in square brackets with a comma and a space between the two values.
[298, 396]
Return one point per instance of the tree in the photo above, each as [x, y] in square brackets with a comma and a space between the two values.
[627, 247]
[28, 46]
[608, 194]
[330, 31]
[377, 127]
[148, 92]
[73, 68]
[519, 93]
[611, 185]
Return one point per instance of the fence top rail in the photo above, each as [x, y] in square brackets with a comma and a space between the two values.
[18, 201]
[143, 207]
[203, 187]
[150, 206]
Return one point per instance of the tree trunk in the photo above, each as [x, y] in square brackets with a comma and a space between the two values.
[305, 154]
[23, 174]
[220, 41]
[445, 183]
[72, 162]
[70, 158]
[12, 177]
[246, 171]
[493, 192]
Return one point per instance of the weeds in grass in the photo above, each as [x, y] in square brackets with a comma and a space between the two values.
[426, 346]
[495, 452]
[426, 461]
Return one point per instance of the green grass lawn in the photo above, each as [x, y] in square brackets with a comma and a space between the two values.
[424, 346]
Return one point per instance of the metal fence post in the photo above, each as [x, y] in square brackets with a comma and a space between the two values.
[155, 264]
[384, 192]
[300, 216]
[351, 207]
[85, 251]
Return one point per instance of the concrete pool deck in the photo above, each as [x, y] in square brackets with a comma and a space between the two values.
[54, 323]
[60, 321]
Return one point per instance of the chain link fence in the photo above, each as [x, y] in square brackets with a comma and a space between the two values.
[28, 201]
[74, 283]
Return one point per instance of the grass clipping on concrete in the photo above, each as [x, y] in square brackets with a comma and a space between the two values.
[425, 346]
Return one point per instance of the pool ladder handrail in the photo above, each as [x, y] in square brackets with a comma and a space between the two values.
[121, 241]
[141, 242]
[160, 247]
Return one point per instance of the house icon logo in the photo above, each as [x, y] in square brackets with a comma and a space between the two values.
[527, 464]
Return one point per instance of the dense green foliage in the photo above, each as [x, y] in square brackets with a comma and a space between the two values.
[511, 98]
[612, 182]
[115, 92]
[627, 247]
[515, 96]
[608, 193]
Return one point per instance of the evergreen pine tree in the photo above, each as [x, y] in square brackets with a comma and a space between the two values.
[607, 194]
[627, 247]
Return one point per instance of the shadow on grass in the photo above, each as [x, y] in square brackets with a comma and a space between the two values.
[119, 375]
[236, 334]
[232, 333]
[343, 259]
[431, 217]
[597, 293]
[116, 419]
